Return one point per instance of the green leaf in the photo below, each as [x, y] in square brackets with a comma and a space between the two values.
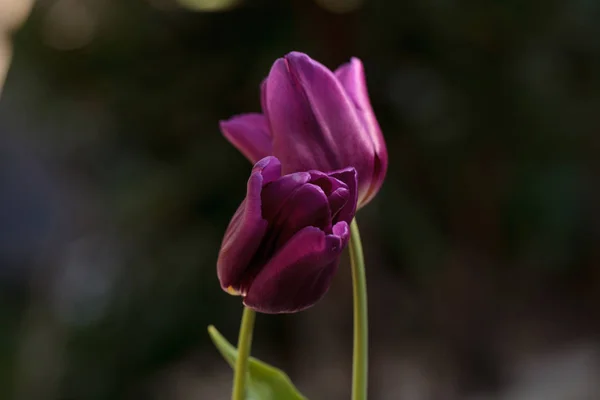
[264, 381]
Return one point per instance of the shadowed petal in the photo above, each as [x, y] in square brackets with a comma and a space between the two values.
[325, 181]
[340, 187]
[247, 227]
[352, 78]
[300, 274]
[276, 194]
[348, 176]
[307, 206]
[337, 200]
[249, 133]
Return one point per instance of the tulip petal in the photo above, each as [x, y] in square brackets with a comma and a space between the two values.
[269, 168]
[340, 187]
[247, 227]
[352, 78]
[342, 230]
[348, 176]
[306, 206]
[325, 181]
[275, 195]
[337, 200]
[249, 133]
[314, 123]
[300, 274]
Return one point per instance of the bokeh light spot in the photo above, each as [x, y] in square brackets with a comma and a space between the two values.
[69, 25]
[209, 5]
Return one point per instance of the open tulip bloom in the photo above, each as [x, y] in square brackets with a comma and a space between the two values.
[318, 155]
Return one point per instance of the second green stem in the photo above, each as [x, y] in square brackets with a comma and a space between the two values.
[360, 356]
[240, 373]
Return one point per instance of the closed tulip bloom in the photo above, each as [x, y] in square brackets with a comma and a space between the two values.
[282, 246]
[314, 118]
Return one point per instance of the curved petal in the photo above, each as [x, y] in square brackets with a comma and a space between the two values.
[307, 206]
[300, 274]
[342, 230]
[340, 187]
[269, 168]
[249, 133]
[348, 176]
[246, 229]
[337, 201]
[325, 181]
[276, 194]
[352, 78]
[314, 123]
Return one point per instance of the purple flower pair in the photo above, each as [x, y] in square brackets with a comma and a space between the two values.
[319, 156]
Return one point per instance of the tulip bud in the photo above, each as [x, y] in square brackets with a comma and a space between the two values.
[282, 246]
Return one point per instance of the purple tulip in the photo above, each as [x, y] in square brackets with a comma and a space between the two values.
[282, 246]
[314, 118]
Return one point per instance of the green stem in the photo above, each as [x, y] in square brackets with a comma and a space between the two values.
[241, 364]
[360, 357]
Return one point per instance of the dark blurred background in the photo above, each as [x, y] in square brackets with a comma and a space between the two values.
[116, 187]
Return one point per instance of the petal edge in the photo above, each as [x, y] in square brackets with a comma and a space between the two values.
[299, 275]
[250, 134]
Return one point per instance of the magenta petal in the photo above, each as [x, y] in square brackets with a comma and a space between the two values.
[300, 274]
[325, 181]
[276, 194]
[247, 227]
[249, 133]
[342, 230]
[314, 123]
[341, 189]
[269, 168]
[307, 206]
[348, 176]
[337, 200]
[352, 78]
